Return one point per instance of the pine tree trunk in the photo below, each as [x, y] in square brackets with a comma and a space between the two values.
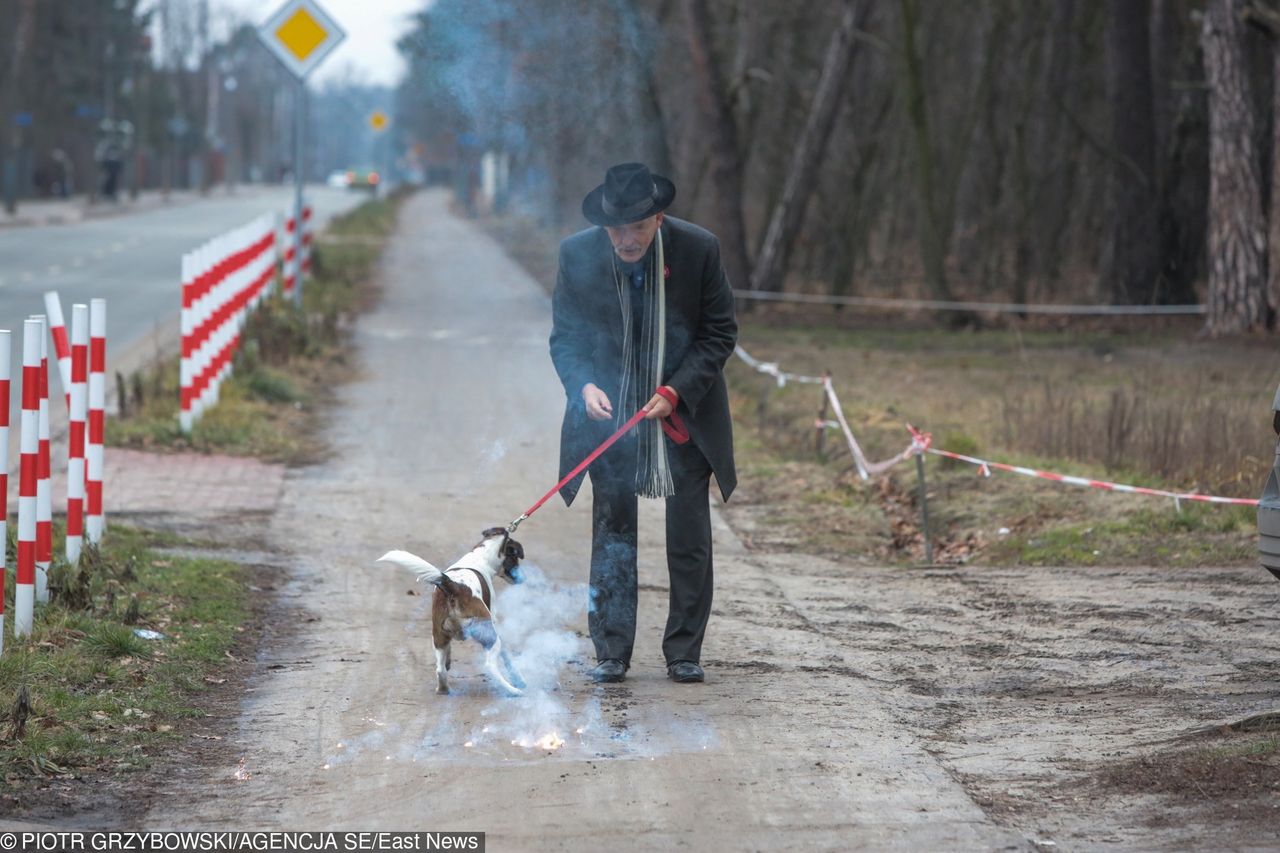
[1237, 234]
[722, 134]
[771, 262]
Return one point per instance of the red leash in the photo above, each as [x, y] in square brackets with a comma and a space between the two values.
[672, 425]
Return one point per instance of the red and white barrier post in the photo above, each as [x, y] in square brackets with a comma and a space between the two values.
[61, 347]
[4, 468]
[76, 429]
[97, 418]
[288, 263]
[44, 476]
[222, 282]
[305, 272]
[24, 593]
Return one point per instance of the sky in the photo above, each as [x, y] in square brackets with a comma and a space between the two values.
[369, 51]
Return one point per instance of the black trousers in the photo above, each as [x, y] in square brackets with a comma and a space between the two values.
[611, 614]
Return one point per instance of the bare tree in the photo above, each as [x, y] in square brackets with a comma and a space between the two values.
[771, 261]
[9, 101]
[1237, 235]
[939, 169]
[722, 134]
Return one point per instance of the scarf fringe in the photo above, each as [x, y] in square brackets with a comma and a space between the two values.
[653, 468]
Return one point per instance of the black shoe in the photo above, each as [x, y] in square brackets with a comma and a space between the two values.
[684, 672]
[609, 671]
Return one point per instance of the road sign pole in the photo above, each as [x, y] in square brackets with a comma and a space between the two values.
[301, 35]
[299, 175]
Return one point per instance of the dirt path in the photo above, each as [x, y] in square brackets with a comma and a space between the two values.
[845, 708]
[453, 429]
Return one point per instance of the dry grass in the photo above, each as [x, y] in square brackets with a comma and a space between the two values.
[1159, 408]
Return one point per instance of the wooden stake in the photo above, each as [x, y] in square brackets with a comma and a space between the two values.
[924, 510]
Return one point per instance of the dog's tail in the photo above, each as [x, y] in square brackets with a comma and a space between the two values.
[420, 567]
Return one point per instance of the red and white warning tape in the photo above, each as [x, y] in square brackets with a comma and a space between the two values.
[865, 468]
[770, 368]
[985, 466]
[922, 442]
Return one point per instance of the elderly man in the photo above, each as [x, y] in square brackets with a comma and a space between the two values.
[643, 317]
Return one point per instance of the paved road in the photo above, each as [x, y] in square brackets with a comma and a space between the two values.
[453, 428]
[132, 260]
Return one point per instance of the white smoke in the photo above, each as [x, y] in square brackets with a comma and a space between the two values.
[560, 713]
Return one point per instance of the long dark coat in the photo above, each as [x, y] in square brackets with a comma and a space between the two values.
[586, 342]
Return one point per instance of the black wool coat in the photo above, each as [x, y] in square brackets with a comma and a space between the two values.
[586, 342]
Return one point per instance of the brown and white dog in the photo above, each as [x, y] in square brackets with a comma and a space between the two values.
[462, 604]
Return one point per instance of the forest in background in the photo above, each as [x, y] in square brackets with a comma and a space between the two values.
[1115, 151]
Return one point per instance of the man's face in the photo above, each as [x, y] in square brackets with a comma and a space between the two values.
[632, 240]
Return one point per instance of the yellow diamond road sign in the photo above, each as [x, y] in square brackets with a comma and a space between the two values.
[301, 35]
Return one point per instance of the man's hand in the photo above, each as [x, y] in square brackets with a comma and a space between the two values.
[598, 406]
[659, 406]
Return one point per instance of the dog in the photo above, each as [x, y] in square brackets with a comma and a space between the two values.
[462, 603]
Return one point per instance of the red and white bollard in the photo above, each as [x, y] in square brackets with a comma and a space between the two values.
[4, 468]
[287, 266]
[76, 429]
[61, 348]
[97, 419]
[305, 271]
[44, 477]
[24, 593]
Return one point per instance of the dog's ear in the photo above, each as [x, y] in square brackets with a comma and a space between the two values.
[514, 549]
[493, 531]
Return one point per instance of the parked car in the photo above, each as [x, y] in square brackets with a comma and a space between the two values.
[363, 179]
[1269, 506]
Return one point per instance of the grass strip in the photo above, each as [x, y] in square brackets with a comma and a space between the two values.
[85, 694]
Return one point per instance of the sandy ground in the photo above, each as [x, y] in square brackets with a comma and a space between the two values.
[845, 707]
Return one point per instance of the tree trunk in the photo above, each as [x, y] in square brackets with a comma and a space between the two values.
[1268, 18]
[937, 175]
[1131, 263]
[652, 120]
[1273, 222]
[932, 247]
[1056, 160]
[771, 262]
[12, 158]
[1182, 154]
[722, 134]
[1237, 235]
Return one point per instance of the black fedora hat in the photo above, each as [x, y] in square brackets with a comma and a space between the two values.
[630, 192]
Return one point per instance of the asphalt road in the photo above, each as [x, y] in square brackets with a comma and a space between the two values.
[132, 260]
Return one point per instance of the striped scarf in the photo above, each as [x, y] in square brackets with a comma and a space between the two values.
[653, 471]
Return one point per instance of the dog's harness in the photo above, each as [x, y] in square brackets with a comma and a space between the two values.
[672, 425]
[484, 587]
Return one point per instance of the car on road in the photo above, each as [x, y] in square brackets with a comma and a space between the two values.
[1269, 505]
[363, 179]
